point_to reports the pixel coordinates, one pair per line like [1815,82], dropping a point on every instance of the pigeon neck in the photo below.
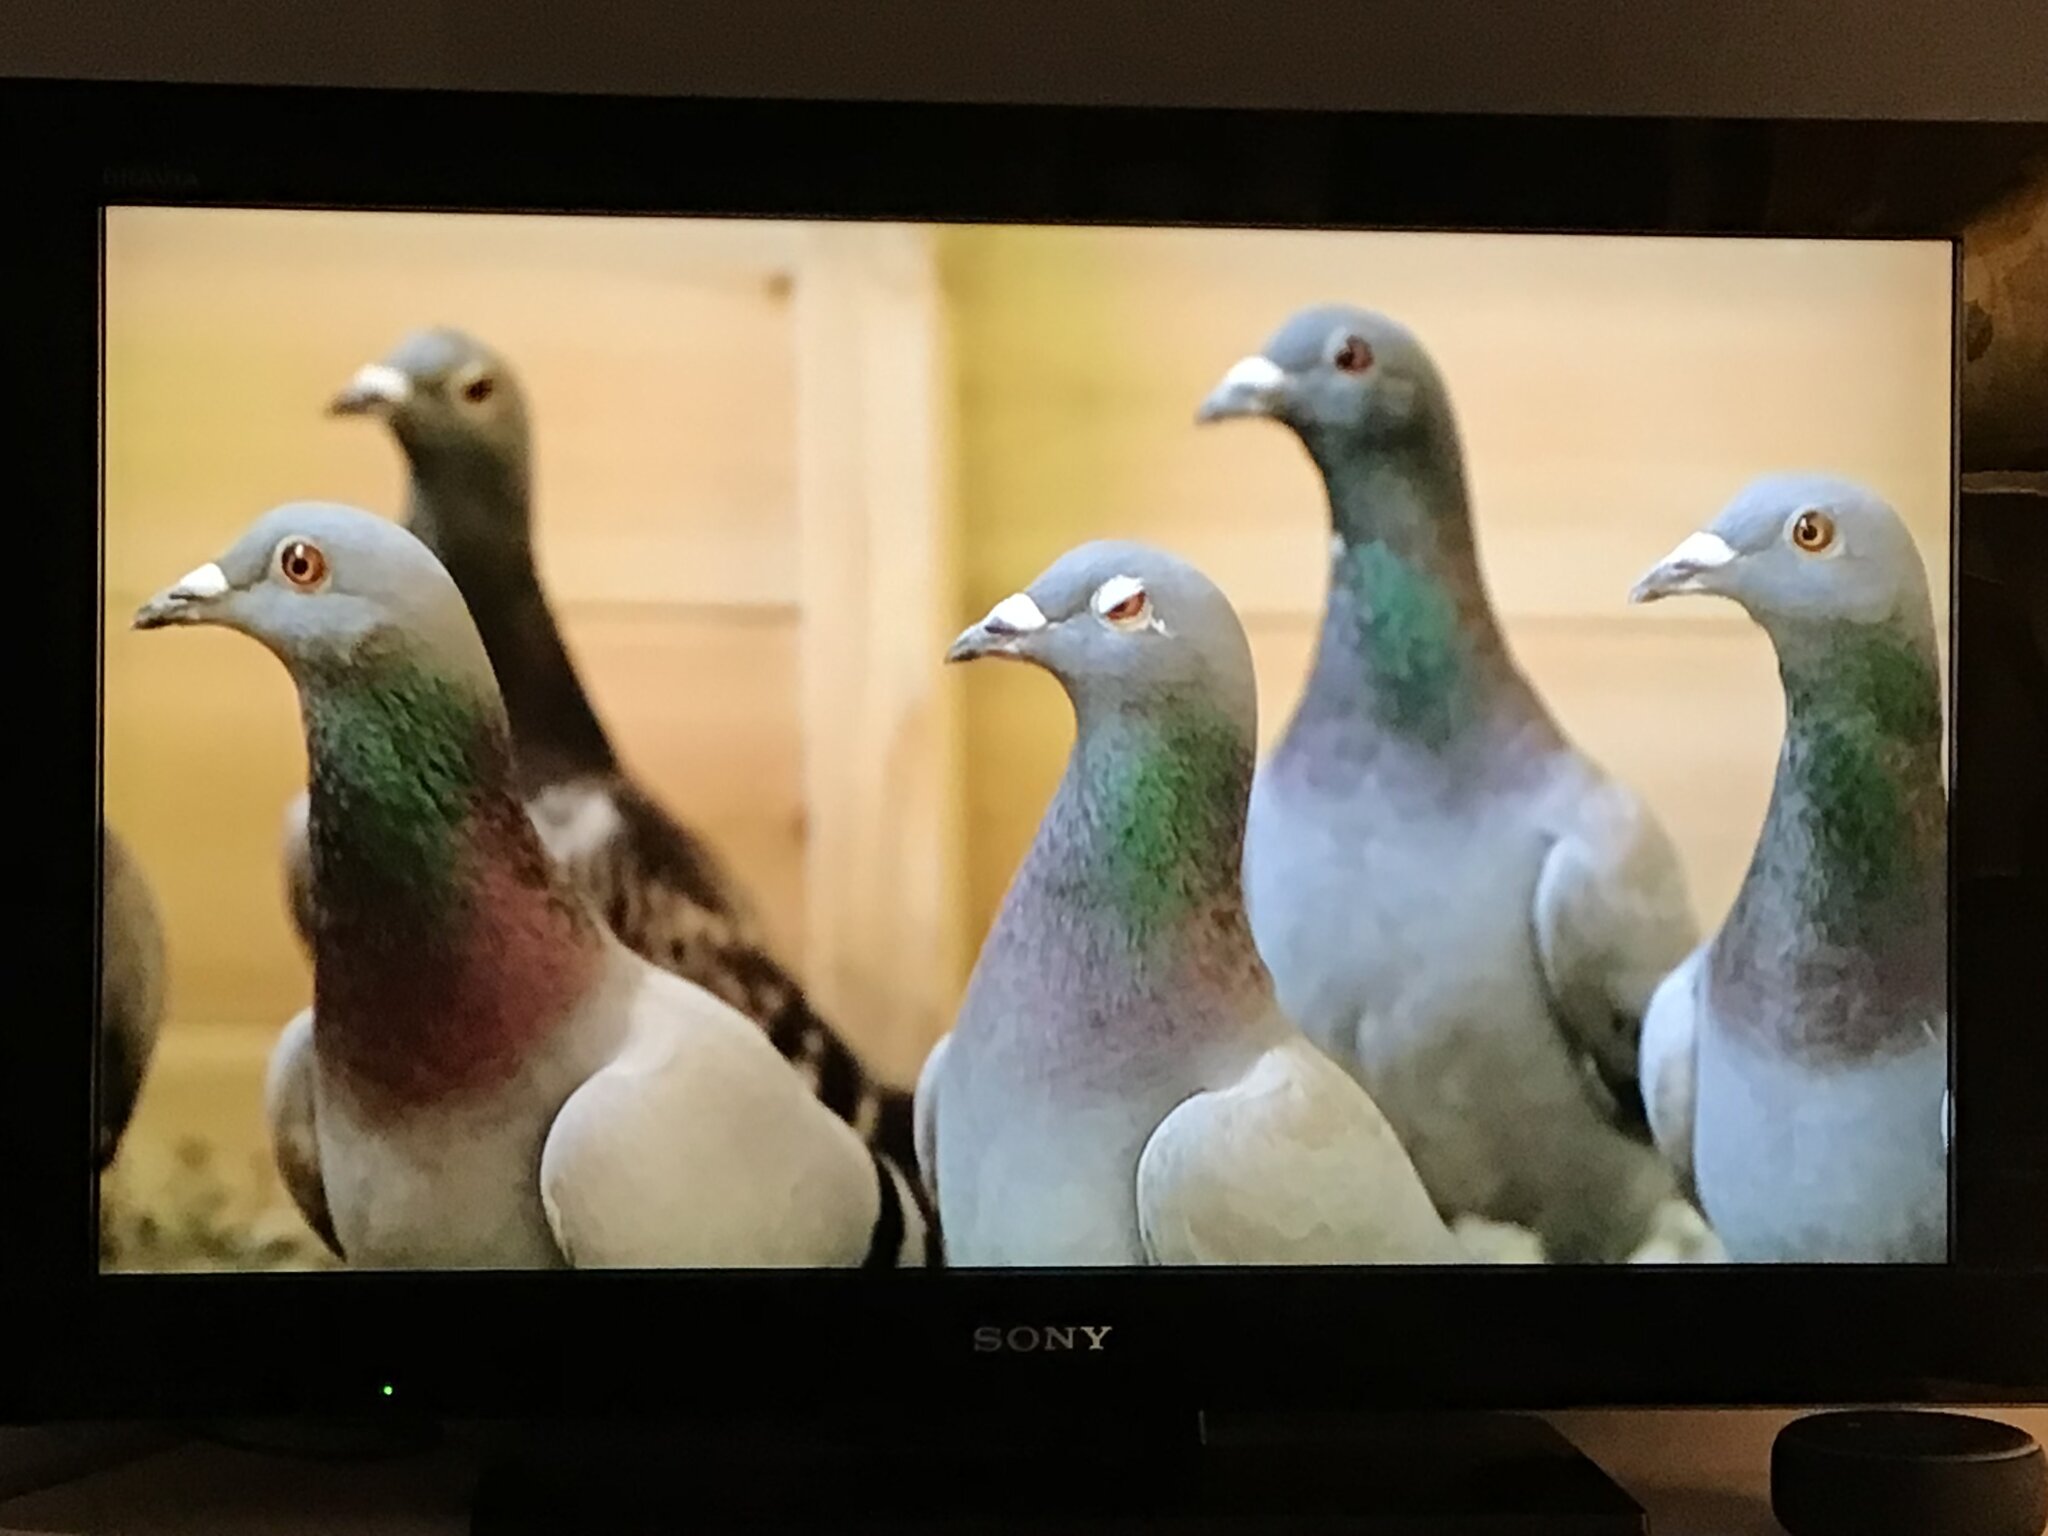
[1146,833]
[1860,772]
[1853,853]
[466,494]
[1409,647]
[1407,493]
[441,942]
[472,514]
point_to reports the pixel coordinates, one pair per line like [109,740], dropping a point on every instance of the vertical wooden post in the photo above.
[884,872]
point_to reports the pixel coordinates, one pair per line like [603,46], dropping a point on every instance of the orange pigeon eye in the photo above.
[1813,531]
[1131,608]
[1355,356]
[302,564]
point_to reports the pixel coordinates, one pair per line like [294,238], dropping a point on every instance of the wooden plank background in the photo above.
[776,466]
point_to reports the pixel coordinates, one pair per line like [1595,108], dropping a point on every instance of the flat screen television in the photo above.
[584,907]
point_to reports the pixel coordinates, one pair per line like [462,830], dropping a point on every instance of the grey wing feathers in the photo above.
[294,1141]
[1670,1044]
[660,890]
[1611,919]
[298,871]
[694,1147]
[1291,1164]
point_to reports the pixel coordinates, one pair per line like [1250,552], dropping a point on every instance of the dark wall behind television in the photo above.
[1854,58]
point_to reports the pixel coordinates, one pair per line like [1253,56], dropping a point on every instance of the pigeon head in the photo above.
[1123,627]
[1337,376]
[452,403]
[324,586]
[1800,548]
[440,387]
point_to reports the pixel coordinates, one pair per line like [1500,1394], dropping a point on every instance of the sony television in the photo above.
[850,752]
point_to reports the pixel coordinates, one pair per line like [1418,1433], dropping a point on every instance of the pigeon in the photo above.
[488,1077]
[1455,903]
[1120,1086]
[1802,1061]
[460,417]
[131,988]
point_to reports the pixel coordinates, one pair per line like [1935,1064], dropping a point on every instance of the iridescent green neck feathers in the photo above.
[1861,770]
[401,760]
[1404,625]
[1150,820]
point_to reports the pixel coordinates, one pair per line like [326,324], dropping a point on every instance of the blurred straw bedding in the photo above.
[713,401]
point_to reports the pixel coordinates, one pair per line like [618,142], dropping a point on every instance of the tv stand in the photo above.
[1058,1475]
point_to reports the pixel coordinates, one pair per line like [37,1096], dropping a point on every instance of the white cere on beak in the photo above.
[1701,551]
[1002,632]
[208,581]
[380,381]
[1680,571]
[1016,614]
[1254,375]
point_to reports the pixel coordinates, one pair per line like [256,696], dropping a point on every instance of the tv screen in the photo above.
[1473,791]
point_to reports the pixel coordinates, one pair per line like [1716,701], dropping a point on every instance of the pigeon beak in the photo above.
[188,600]
[1002,633]
[1688,568]
[1254,386]
[377,389]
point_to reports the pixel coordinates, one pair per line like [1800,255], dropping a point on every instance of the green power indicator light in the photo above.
[388,1389]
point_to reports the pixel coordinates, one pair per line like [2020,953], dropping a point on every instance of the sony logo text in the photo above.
[1025,1340]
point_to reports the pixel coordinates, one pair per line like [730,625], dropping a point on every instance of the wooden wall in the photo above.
[778,466]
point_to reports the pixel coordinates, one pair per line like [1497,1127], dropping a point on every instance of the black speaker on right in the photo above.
[1886,1473]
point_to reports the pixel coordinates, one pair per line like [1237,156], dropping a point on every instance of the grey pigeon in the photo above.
[1798,1061]
[1120,1087]
[488,1077]
[1455,903]
[459,415]
[131,987]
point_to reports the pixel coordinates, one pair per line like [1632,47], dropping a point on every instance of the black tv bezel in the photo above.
[84,1343]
